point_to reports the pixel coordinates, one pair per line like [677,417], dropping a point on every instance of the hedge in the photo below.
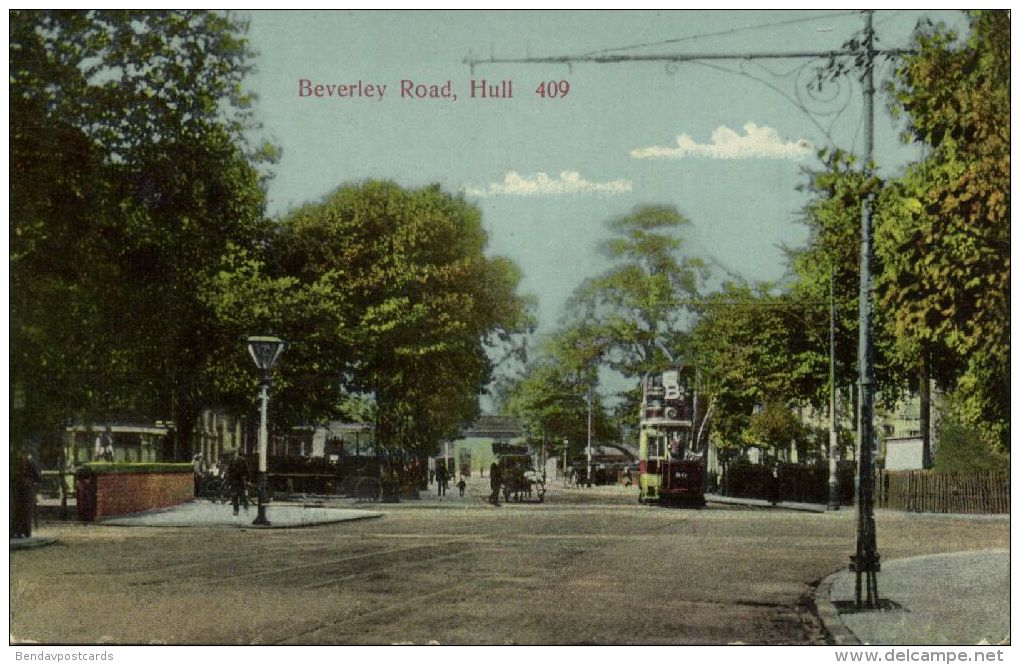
[95,468]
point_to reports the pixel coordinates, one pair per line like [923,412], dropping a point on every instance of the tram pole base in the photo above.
[261,519]
[866,566]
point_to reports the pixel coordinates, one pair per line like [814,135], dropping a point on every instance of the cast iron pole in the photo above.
[865,562]
[260,481]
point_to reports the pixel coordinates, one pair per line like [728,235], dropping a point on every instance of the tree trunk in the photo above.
[924,391]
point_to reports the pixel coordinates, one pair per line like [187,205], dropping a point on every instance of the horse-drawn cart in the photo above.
[520,480]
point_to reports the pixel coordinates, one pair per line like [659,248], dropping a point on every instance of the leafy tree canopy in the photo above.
[945,243]
[645,296]
[131,175]
[383,292]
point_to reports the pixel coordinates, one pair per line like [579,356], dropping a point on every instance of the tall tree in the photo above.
[151,115]
[382,291]
[645,296]
[754,347]
[945,245]
[551,397]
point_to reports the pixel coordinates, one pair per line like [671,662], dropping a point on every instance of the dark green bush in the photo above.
[133,467]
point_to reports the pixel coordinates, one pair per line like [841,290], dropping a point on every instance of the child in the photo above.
[461,485]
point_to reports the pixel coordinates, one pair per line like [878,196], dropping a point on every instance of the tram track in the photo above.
[365,560]
[401,606]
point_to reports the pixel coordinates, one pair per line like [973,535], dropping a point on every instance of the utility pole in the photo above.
[865,562]
[833,424]
[588,476]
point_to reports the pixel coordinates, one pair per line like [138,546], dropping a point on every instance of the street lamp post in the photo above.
[566,445]
[264,351]
[588,450]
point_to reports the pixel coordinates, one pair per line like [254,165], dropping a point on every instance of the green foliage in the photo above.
[380,291]
[946,242]
[551,398]
[135,79]
[774,426]
[130,177]
[754,347]
[645,295]
[617,320]
[963,447]
[833,253]
[98,468]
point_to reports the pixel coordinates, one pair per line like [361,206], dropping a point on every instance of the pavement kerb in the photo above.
[765,505]
[151,518]
[30,543]
[834,627]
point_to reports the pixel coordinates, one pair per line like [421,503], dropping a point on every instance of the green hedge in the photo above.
[133,467]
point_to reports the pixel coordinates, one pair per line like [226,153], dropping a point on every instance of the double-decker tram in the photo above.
[672,469]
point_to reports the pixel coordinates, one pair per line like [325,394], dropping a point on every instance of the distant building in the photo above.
[904,453]
[898,430]
[220,435]
[129,443]
[473,445]
[331,441]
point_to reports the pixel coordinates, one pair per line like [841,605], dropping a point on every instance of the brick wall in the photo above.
[122,493]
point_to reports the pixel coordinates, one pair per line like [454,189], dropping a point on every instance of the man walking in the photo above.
[26,483]
[495,483]
[441,479]
[237,481]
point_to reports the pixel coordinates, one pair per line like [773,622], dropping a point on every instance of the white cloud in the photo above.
[756,143]
[540,184]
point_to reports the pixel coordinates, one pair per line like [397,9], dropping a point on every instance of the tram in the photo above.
[671,466]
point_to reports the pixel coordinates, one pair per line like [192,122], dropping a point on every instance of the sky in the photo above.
[725,142]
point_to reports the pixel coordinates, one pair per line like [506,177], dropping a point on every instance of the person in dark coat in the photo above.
[442,480]
[199,469]
[495,483]
[25,485]
[237,482]
[461,485]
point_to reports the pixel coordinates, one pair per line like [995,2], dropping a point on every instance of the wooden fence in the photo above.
[935,492]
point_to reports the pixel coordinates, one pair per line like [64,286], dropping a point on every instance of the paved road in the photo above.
[569,571]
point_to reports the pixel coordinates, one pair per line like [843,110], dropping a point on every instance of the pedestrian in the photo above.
[495,481]
[237,482]
[62,478]
[106,454]
[25,485]
[441,479]
[199,467]
[461,484]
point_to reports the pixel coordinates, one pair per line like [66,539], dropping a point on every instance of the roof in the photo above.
[120,429]
[493,427]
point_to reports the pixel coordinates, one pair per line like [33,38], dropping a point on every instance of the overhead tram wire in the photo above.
[753,303]
[866,561]
[774,88]
[722,33]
